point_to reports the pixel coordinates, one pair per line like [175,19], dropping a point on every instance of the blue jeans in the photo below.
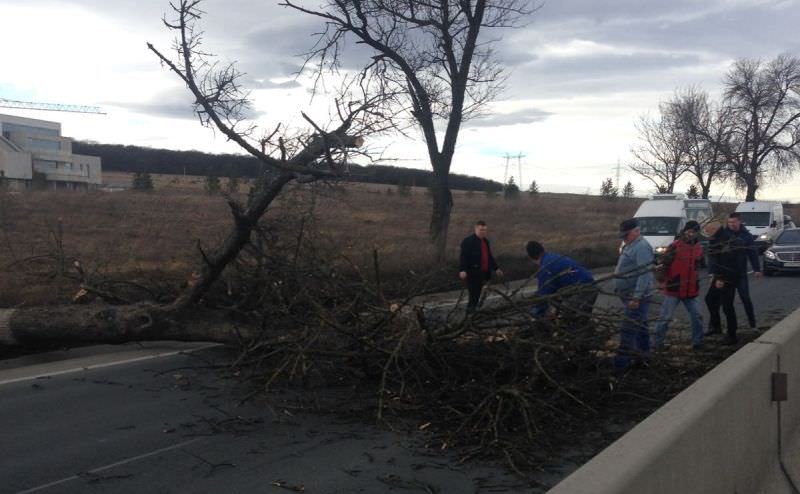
[668,308]
[634,338]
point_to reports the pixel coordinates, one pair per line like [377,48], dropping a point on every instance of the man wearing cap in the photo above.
[476,263]
[573,283]
[679,282]
[634,283]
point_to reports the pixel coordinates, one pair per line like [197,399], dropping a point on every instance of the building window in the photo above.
[8,128]
[44,144]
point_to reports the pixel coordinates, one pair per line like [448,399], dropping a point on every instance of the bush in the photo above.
[142,181]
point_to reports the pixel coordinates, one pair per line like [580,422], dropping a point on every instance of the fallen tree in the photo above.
[221,104]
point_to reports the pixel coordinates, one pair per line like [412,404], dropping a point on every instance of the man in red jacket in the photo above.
[679,282]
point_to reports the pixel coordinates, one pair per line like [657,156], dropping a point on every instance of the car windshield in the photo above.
[659,225]
[755,219]
[699,215]
[790,237]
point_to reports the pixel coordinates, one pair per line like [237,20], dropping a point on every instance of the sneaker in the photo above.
[713,331]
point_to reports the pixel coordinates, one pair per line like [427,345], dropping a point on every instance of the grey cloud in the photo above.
[524,116]
[174,103]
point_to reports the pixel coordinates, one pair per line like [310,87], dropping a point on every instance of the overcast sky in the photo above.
[581,73]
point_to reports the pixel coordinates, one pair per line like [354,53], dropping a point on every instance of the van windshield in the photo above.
[659,225]
[699,215]
[755,219]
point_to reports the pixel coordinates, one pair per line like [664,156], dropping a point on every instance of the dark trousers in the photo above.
[717,297]
[744,295]
[475,282]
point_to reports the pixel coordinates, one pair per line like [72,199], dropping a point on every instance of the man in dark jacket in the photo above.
[477,263]
[744,245]
[679,283]
[726,273]
[563,275]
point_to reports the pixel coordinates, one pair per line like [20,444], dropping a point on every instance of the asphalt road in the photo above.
[171,424]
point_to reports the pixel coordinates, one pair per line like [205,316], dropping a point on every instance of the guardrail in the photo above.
[720,435]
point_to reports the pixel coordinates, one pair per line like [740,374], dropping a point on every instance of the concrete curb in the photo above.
[720,435]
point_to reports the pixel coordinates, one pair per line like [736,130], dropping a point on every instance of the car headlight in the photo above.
[763,236]
[769,254]
[660,250]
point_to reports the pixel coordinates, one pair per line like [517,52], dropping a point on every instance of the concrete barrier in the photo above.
[720,435]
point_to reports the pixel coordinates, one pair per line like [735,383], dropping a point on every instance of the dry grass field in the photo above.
[151,238]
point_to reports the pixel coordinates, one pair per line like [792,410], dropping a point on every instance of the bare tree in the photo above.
[763,100]
[661,154]
[437,60]
[705,131]
[220,103]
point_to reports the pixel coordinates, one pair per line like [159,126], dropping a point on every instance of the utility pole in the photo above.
[505,175]
[618,167]
[519,167]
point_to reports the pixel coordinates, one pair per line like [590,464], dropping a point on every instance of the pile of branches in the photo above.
[497,383]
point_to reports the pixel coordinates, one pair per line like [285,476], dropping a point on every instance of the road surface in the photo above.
[171,423]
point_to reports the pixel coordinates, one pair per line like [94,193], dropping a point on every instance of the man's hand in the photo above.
[633,304]
[499,273]
[719,284]
[462,275]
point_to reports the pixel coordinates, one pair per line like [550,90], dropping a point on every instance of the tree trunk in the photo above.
[751,187]
[705,189]
[100,323]
[440,217]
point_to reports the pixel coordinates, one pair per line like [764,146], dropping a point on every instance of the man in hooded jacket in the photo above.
[679,283]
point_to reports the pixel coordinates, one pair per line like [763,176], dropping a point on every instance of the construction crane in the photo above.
[30,105]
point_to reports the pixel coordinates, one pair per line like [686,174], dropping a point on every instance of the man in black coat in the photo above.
[726,274]
[746,251]
[476,263]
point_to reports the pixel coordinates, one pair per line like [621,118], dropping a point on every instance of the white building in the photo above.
[34,151]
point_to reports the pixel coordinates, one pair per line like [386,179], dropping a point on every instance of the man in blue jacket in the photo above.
[634,283]
[572,282]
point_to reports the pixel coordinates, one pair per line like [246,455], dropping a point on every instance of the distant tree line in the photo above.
[138,159]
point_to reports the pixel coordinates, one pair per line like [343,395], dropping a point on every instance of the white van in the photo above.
[663,216]
[763,219]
